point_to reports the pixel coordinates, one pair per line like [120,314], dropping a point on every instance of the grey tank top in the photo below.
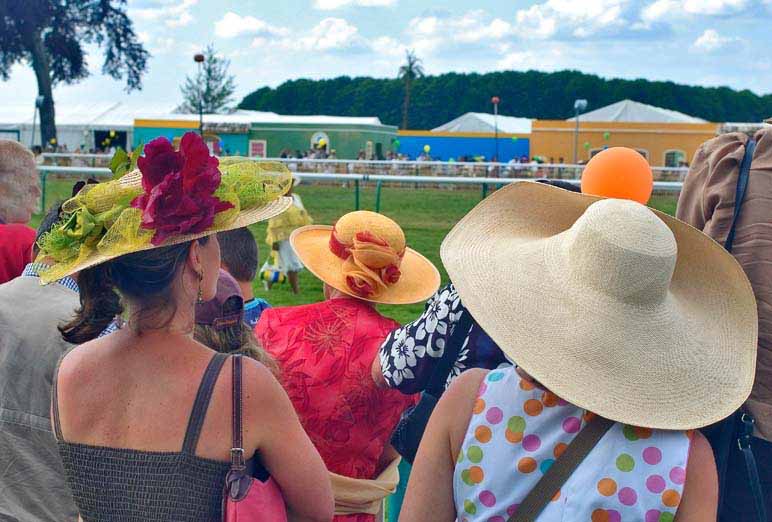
[126,485]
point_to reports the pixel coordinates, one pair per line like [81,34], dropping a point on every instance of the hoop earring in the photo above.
[200,298]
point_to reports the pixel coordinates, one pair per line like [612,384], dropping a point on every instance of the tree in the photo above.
[409,72]
[50,35]
[212,86]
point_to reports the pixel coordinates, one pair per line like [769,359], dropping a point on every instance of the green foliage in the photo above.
[435,100]
[123,162]
[212,87]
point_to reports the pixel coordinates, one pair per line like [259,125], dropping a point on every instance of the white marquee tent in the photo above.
[636,112]
[484,122]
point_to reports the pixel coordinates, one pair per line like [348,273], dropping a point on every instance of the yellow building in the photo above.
[666,138]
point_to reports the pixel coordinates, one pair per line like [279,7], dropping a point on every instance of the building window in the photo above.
[675,158]
[258,148]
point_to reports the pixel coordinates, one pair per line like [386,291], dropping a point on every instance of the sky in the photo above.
[699,42]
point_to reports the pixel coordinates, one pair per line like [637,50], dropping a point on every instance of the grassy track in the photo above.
[426,215]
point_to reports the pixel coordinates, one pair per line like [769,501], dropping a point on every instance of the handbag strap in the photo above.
[436,384]
[744,443]
[533,504]
[742,186]
[237,449]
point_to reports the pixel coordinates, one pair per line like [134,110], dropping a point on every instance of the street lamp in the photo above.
[199,59]
[579,106]
[495,101]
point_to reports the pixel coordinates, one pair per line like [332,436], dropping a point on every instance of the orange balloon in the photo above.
[620,173]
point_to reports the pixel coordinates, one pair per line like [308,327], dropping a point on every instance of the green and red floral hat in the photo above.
[172,197]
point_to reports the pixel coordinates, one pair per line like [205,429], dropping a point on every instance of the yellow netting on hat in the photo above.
[100,219]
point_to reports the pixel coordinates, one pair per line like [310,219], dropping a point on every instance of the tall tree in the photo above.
[50,35]
[409,72]
[212,86]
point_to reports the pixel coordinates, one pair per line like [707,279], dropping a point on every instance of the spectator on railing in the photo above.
[19,193]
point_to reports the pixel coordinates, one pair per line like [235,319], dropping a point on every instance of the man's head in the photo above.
[19,183]
[238,251]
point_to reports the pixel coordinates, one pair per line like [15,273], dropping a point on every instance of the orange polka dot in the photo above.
[600,515]
[476,474]
[533,407]
[479,406]
[607,487]
[483,434]
[588,416]
[559,449]
[549,399]
[526,465]
[642,433]
[556,496]
[513,436]
[525,385]
[671,498]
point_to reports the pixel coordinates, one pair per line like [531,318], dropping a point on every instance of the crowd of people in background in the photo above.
[143,380]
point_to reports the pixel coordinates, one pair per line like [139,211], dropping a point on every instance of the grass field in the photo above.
[426,215]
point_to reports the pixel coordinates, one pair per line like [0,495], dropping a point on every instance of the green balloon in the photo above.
[606,135]
[396,143]
[587,145]
[514,138]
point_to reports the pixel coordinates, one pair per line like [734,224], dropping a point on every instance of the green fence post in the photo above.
[378,196]
[484,190]
[356,194]
[43,176]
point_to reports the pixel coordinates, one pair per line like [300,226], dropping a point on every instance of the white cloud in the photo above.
[661,10]
[710,41]
[329,5]
[428,33]
[232,25]
[171,14]
[157,44]
[580,19]
[331,34]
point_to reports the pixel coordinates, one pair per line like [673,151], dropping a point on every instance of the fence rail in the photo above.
[484,182]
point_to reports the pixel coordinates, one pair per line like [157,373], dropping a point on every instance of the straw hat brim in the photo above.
[244,218]
[420,279]
[683,364]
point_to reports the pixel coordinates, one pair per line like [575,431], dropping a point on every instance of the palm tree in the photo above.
[407,73]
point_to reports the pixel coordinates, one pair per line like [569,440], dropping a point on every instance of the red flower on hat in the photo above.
[179,188]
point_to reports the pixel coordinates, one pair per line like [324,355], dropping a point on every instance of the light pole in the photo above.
[579,106]
[495,101]
[199,59]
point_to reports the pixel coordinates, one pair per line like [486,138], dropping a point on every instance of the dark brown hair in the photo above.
[144,278]
[238,250]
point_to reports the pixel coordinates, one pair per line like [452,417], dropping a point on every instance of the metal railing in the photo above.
[484,182]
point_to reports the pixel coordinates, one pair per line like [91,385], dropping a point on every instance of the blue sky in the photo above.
[703,42]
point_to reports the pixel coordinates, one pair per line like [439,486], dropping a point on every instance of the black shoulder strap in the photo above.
[533,504]
[198,413]
[237,448]
[459,336]
[742,186]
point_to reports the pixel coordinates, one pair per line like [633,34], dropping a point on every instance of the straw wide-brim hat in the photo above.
[420,279]
[618,309]
[244,218]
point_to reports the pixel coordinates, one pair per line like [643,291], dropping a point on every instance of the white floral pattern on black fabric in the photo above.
[409,354]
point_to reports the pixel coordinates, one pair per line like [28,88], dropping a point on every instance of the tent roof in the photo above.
[115,114]
[484,122]
[633,111]
[260,117]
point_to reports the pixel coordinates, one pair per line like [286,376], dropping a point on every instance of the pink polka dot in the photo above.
[627,496]
[562,402]
[614,515]
[531,442]
[655,484]
[497,519]
[494,415]
[652,515]
[652,455]
[678,475]
[483,389]
[512,509]
[571,424]
[487,498]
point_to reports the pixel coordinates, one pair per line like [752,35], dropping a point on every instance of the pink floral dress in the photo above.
[517,431]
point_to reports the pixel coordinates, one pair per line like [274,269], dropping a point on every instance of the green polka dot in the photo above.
[495,376]
[469,507]
[629,432]
[516,424]
[474,453]
[666,517]
[625,462]
[465,478]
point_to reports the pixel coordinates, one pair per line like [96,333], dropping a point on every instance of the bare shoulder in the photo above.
[464,386]
[455,407]
[701,462]
[262,392]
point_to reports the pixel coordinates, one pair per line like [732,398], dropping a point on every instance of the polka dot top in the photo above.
[517,431]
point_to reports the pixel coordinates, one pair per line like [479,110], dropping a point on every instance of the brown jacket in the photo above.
[707,202]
